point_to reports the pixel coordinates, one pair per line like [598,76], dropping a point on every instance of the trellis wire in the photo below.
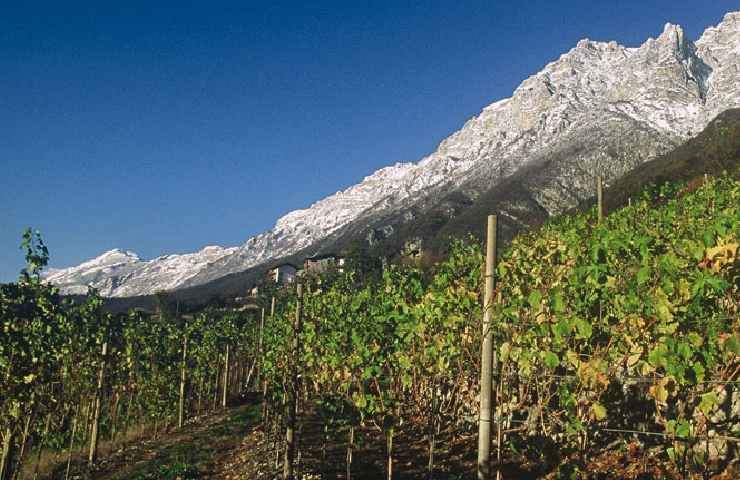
[636,432]
[631,378]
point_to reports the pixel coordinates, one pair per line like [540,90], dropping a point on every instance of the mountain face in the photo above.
[600,109]
[119,273]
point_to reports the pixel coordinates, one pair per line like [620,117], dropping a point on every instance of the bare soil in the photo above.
[232,444]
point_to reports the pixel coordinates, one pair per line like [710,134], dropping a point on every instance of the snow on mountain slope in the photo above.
[111,264]
[115,273]
[601,94]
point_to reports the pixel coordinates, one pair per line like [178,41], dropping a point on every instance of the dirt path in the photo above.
[193,452]
[231,445]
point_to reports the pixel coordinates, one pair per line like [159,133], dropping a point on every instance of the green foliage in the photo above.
[176,471]
[36,254]
[651,293]
[582,310]
[51,355]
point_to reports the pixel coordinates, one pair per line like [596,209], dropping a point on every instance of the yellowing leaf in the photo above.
[633,359]
[659,392]
[708,401]
[598,411]
[573,358]
[663,310]
[721,255]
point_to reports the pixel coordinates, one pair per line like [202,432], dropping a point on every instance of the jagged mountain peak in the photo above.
[731,17]
[600,106]
[673,31]
[726,33]
[114,256]
[674,39]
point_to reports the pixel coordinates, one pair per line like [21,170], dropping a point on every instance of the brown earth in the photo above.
[232,444]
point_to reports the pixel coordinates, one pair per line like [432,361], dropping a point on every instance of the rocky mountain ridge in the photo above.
[601,108]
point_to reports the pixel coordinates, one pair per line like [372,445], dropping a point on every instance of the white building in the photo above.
[321,263]
[283,274]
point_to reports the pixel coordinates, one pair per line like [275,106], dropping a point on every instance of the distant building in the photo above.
[321,263]
[283,274]
[384,262]
[412,248]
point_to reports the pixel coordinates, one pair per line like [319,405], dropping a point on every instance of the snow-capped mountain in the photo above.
[117,273]
[601,108]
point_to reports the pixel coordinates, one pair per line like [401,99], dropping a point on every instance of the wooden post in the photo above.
[264,381]
[24,440]
[258,355]
[42,442]
[93,454]
[486,373]
[292,403]
[600,197]
[5,462]
[183,371]
[215,385]
[114,409]
[350,447]
[389,453]
[498,392]
[259,346]
[129,407]
[72,439]
[226,377]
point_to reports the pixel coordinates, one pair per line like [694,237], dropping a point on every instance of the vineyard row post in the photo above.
[93,454]
[183,379]
[264,380]
[259,346]
[254,369]
[226,378]
[7,453]
[487,348]
[290,440]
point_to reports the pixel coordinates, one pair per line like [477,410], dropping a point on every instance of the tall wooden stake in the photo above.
[183,372]
[42,443]
[72,439]
[486,373]
[226,378]
[292,403]
[257,356]
[350,447]
[24,440]
[93,455]
[600,197]
[5,462]
[259,347]
[7,439]
[264,381]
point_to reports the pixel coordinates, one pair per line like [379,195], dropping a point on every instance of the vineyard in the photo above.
[614,335]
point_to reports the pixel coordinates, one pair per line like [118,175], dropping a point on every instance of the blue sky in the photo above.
[162,127]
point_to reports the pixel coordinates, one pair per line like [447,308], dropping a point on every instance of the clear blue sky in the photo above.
[163,127]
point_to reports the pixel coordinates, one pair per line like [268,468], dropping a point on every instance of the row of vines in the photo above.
[601,329]
[73,375]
